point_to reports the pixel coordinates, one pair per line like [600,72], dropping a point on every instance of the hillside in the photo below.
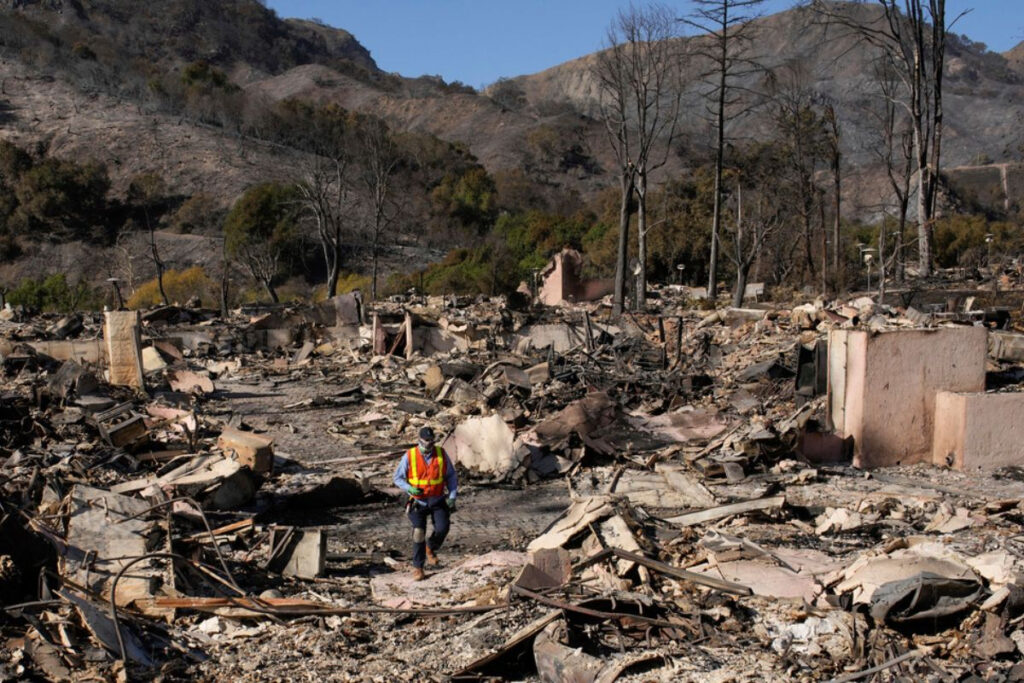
[223,32]
[278,59]
[1015,58]
[201,93]
[984,107]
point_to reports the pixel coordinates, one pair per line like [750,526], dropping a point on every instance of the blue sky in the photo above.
[478,41]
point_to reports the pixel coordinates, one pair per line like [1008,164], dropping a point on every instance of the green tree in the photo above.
[469,198]
[260,229]
[62,199]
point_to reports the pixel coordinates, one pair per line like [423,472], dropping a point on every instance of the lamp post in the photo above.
[988,246]
[867,255]
[680,267]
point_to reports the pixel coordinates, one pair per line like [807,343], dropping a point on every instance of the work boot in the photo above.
[431,557]
[418,574]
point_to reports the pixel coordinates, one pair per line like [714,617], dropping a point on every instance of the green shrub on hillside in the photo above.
[960,241]
[54,294]
[180,287]
[201,73]
[469,198]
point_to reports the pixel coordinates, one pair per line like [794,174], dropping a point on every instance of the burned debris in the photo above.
[829,490]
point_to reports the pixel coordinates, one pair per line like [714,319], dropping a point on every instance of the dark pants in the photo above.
[418,515]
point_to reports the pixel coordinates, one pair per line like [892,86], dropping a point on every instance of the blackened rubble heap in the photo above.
[709,526]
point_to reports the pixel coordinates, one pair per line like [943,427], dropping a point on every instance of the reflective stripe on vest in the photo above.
[429,477]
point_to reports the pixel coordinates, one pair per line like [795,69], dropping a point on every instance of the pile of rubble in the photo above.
[667,495]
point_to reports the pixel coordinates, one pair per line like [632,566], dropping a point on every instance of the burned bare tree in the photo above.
[324,196]
[649,68]
[833,137]
[912,34]
[612,77]
[727,49]
[804,143]
[379,158]
[757,211]
[893,147]
[145,191]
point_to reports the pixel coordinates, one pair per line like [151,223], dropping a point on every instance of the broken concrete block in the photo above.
[561,337]
[539,374]
[71,378]
[221,482]
[190,382]
[250,450]
[1007,346]
[457,584]
[168,349]
[231,492]
[433,379]
[87,351]
[92,403]
[124,355]
[978,431]
[483,444]
[882,387]
[65,327]
[686,424]
[430,340]
[298,552]
[152,361]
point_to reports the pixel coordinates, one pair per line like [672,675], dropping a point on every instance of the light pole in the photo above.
[680,267]
[988,245]
[868,257]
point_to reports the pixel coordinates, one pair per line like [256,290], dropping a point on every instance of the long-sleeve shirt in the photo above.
[451,480]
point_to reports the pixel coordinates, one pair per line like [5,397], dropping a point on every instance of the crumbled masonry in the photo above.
[786,491]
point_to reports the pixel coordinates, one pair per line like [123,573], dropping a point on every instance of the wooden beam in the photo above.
[667,569]
[722,511]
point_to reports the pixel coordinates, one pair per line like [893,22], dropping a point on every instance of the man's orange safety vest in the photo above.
[430,477]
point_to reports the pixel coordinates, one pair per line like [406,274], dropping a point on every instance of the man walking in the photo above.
[424,473]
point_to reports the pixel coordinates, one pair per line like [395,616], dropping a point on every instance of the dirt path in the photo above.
[488,518]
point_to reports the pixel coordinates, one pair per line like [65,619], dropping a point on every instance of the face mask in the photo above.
[426,447]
